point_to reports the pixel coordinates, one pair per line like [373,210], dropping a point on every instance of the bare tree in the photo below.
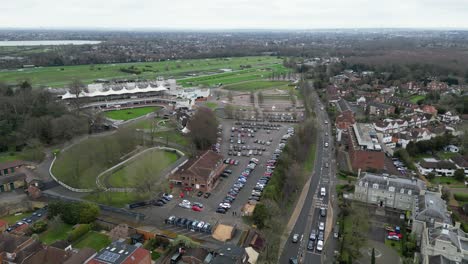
[76,88]
[252,97]
[229,111]
[260,98]
[203,128]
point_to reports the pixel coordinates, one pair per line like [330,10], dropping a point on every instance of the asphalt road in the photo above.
[309,217]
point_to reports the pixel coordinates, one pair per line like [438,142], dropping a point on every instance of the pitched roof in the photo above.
[398,182]
[204,165]
[443,164]
[81,256]
[461,161]
[12,178]
[11,164]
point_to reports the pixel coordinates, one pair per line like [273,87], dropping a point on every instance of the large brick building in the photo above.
[200,173]
[10,176]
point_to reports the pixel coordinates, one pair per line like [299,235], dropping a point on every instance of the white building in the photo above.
[438,167]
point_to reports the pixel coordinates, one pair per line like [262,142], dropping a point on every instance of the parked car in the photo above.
[320,245]
[310,245]
[200,193]
[207,194]
[321,226]
[295,238]
[323,212]
[221,210]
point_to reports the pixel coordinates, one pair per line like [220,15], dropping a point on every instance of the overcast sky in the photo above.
[234,14]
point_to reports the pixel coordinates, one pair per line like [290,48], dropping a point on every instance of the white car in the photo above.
[321,226]
[326,144]
[320,245]
[295,238]
[225,205]
[184,205]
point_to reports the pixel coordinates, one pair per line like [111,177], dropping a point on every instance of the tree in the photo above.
[230,96]
[88,212]
[459,175]
[373,256]
[229,111]
[38,227]
[203,128]
[252,97]
[260,215]
[260,98]
[76,87]
[184,241]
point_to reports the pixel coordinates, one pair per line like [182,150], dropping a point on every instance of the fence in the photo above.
[63,184]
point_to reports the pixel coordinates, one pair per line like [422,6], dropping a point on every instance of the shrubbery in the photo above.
[78,232]
[38,227]
[74,212]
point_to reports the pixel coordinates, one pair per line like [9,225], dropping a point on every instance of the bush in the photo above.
[78,232]
[38,227]
[461,197]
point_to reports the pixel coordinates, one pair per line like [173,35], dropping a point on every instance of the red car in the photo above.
[196,208]
[232,162]
[268,174]
[400,236]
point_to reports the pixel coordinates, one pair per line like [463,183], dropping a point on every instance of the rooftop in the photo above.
[115,253]
[204,165]
[366,135]
[384,182]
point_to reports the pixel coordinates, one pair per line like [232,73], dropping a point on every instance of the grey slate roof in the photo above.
[432,208]
[385,182]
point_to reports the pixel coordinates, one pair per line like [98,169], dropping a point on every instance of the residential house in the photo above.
[345,119]
[231,254]
[121,253]
[399,102]
[448,117]
[10,176]
[461,162]
[17,248]
[437,86]
[200,173]
[3,226]
[428,210]
[364,149]
[438,167]
[332,94]
[388,191]
[194,255]
[379,109]
[444,242]
[428,109]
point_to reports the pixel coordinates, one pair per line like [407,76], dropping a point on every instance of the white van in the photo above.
[323,192]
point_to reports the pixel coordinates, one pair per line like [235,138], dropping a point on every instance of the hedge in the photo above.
[78,232]
[462,197]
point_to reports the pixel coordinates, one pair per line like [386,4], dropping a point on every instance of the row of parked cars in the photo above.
[231,196]
[192,225]
[195,206]
[256,126]
[36,215]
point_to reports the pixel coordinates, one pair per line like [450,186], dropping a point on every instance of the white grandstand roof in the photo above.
[96,93]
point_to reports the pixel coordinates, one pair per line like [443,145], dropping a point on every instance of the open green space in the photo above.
[216,79]
[173,136]
[395,245]
[79,165]
[446,155]
[126,114]
[445,180]
[415,98]
[116,199]
[256,85]
[11,219]
[61,75]
[156,161]
[58,232]
[211,105]
[94,240]
[4,157]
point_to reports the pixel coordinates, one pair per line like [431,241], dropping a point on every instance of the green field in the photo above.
[415,98]
[58,233]
[255,73]
[4,157]
[79,165]
[127,114]
[11,219]
[211,105]
[256,85]
[94,240]
[62,75]
[173,136]
[156,161]
[116,199]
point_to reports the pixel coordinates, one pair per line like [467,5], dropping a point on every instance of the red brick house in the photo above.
[345,120]
[200,173]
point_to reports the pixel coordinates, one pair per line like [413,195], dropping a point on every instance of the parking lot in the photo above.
[157,215]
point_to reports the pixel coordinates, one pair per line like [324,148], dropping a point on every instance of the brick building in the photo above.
[10,176]
[200,173]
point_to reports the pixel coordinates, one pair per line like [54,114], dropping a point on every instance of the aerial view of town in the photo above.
[140,132]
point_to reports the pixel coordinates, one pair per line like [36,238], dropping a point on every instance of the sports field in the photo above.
[127,114]
[257,85]
[62,75]
[155,161]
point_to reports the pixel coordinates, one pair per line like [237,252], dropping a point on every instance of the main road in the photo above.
[323,175]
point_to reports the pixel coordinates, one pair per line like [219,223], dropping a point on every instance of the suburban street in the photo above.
[309,217]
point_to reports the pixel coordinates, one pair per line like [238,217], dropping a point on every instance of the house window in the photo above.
[366,184]
[402,190]
[409,192]
[391,189]
[360,183]
[375,186]
[5,171]
[183,178]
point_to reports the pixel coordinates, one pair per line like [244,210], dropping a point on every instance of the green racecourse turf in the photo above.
[127,114]
[156,161]
[59,76]
[256,85]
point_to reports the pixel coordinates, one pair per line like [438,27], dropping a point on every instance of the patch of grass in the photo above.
[94,240]
[396,245]
[461,197]
[211,105]
[11,156]
[155,255]
[446,155]
[156,161]
[415,98]
[256,85]
[277,97]
[116,199]
[445,180]
[127,114]
[61,75]
[173,136]
[309,164]
[57,233]
[11,219]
